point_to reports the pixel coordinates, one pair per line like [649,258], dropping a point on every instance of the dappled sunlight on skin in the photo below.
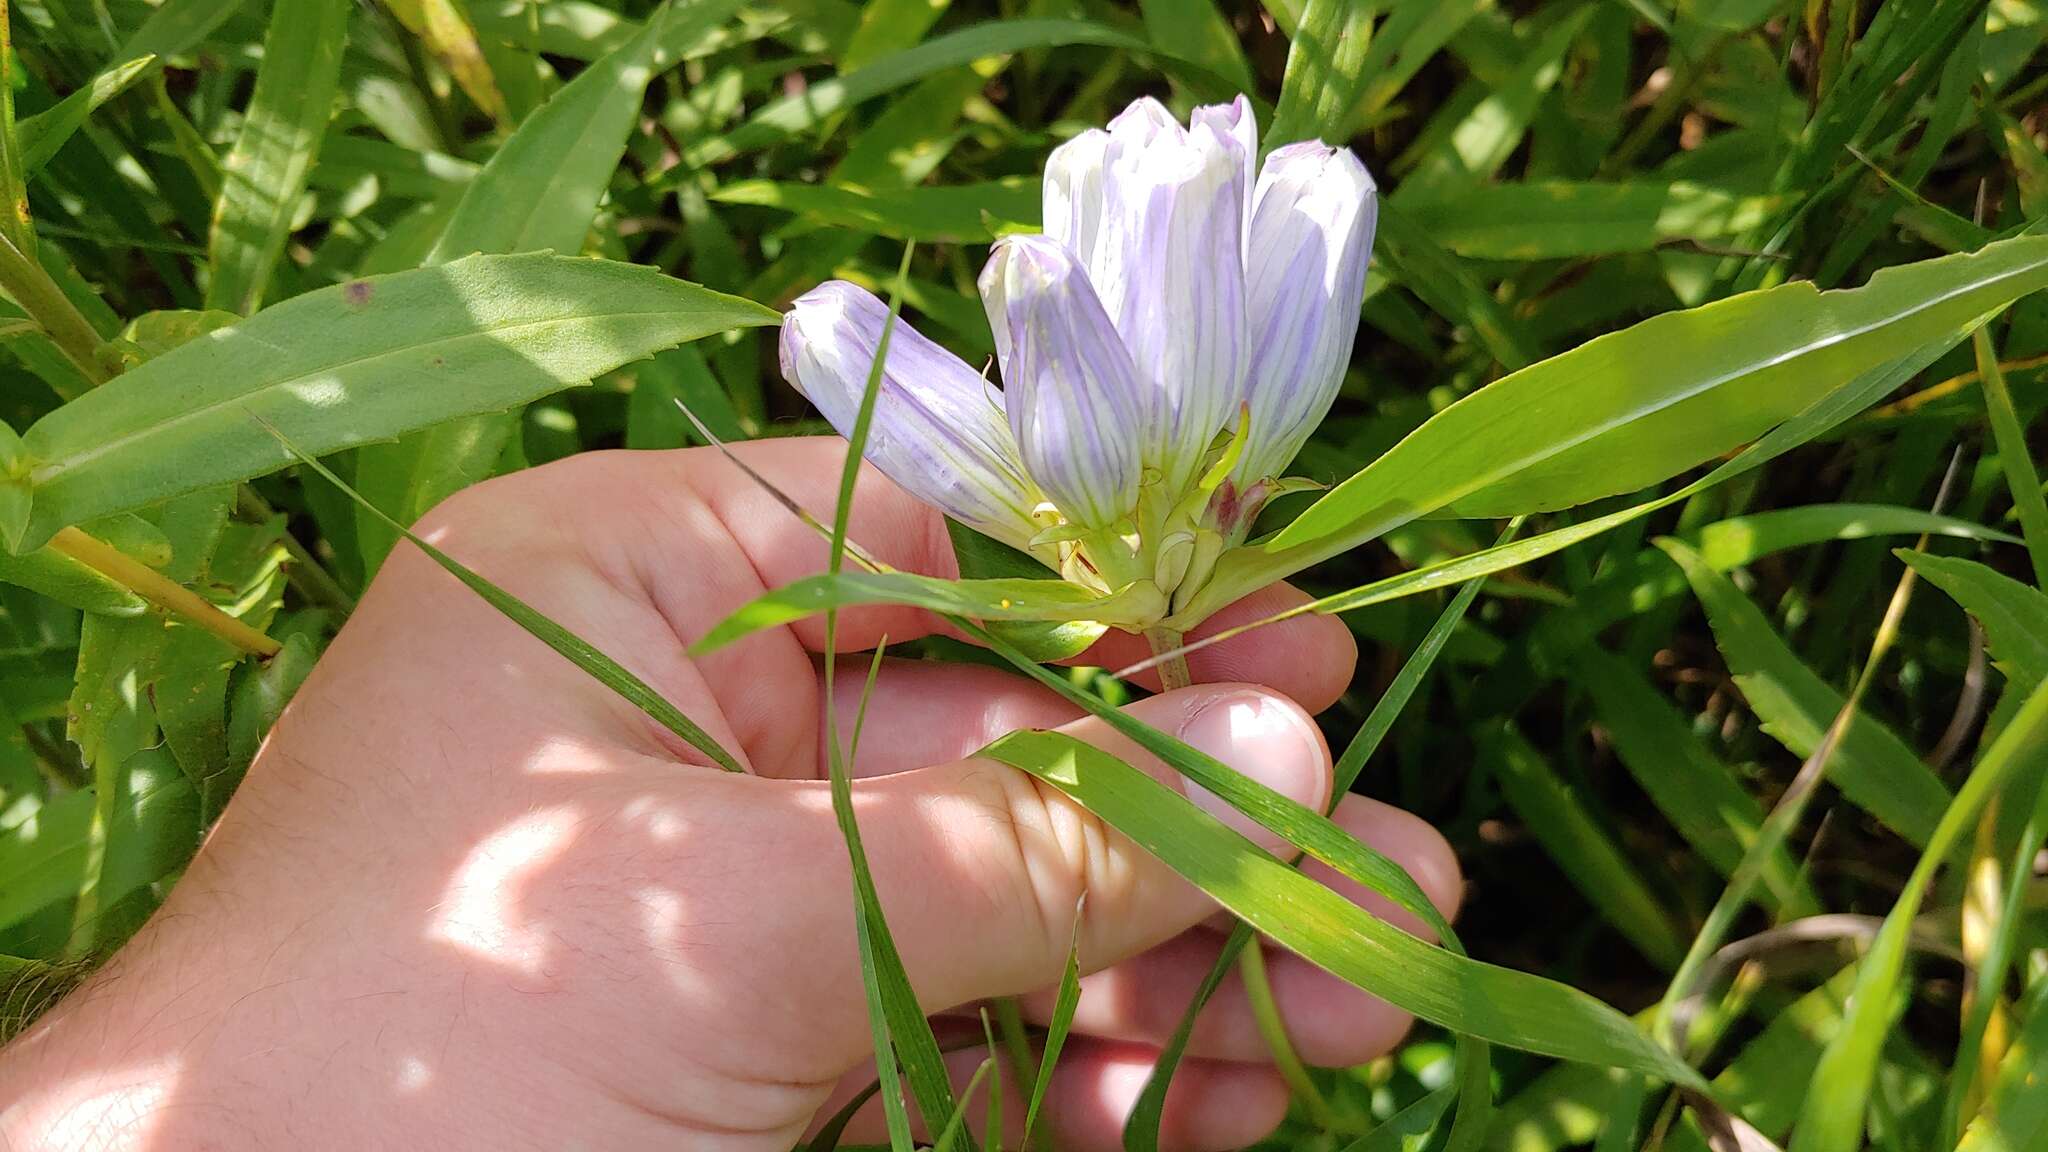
[121,1100]
[478,913]
[414,1075]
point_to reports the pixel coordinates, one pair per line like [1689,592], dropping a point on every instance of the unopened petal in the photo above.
[1073,192]
[1169,266]
[1237,121]
[1072,394]
[1311,237]
[938,427]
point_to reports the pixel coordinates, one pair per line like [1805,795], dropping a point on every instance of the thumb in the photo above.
[980,866]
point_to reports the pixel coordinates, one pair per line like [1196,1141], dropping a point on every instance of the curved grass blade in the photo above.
[1832,1119]
[580,652]
[1393,1133]
[2014,455]
[1627,410]
[265,172]
[1064,1002]
[901,1030]
[1247,569]
[1436,984]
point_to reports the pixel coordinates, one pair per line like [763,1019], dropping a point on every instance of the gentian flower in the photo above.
[1167,345]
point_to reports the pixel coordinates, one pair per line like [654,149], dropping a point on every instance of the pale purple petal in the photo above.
[1237,121]
[1072,393]
[1073,193]
[1169,268]
[1311,236]
[938,428]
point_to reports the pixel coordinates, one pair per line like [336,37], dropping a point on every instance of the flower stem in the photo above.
[1173,672]
[32,288]
[154,587]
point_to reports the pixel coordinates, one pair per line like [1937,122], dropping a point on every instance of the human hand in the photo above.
[467,897]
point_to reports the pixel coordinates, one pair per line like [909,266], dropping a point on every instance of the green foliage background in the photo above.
[1708,754]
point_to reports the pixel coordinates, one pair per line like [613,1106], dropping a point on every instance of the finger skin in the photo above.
[993,862]
[921,712]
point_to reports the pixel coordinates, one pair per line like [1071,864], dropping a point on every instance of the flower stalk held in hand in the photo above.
[1167,346]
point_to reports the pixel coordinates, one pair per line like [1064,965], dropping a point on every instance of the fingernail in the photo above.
[1267,740]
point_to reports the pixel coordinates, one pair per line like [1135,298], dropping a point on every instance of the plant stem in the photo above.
[159,590]
[1251,965]
[1173,672]
[25,280]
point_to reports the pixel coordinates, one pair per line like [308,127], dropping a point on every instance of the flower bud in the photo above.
[1168,263]
[1311,237]
[1071,391]
[938,428]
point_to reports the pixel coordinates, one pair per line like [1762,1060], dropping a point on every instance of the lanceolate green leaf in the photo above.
[1872,767]
[1325,71]
[1627,410]
[2014,616]
[538,192]
[1498,1004]
[541,188]
[1545,220]
[353,363]
[265,173]
[1248,569]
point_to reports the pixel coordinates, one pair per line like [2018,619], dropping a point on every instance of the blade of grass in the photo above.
[1990,974]
[992,1120]
[1786,814]
[905,1033]
[2014,456]
[1141,1131]
[1392,1134]
[956,1128]
[1251,965]
[1832,1119]
[1315,922]
[1064,1002]
[265,172]
[580,652]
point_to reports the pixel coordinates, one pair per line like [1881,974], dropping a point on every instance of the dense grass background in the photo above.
[1604,731]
